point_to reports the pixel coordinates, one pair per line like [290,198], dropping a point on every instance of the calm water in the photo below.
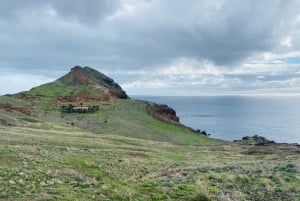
[232,117]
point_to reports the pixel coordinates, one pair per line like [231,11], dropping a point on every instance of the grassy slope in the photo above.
[129,118]
[56,88]
[132,157]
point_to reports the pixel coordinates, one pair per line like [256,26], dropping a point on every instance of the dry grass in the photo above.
[68,163]
[136,157]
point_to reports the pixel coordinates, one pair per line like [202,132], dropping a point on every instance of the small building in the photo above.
[81,108]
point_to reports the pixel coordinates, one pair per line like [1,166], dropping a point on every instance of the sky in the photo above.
[154,47]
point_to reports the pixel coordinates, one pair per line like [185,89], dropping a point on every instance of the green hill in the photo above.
[127,150]
[117,114]
[81,84]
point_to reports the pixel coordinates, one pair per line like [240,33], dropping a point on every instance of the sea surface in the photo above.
[233,117]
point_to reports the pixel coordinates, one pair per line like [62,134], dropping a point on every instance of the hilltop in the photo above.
[128,150]
[80,84]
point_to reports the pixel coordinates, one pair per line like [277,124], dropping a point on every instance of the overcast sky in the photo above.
[154,47]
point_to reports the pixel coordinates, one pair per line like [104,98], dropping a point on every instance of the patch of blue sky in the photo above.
[293,60]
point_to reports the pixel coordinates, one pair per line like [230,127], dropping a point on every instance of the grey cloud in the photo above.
[85,11]
[133,34]
[224,32]
[225,35]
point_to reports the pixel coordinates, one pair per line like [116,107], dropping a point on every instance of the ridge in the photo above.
[81,84]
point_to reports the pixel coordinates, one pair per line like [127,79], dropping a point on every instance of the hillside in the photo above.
[127,150]
[117,113]
[81,84]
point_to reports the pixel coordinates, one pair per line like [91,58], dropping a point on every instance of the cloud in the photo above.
[204,45]
[146,84]
[84,11]
[15,83]
[193,77]
[132,34]
[87,11]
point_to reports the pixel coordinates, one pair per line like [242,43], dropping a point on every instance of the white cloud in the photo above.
[202,75]
[145,84]
[260,77]
[277,84]
[125,10]
[15,83]
[287,42]
[190,68]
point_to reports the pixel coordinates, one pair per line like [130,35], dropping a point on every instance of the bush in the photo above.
[201,192]
[201,197]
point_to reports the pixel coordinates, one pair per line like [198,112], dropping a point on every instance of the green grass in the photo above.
[12,101]
[133,156]
[56,88]
[67,163]
[129,118]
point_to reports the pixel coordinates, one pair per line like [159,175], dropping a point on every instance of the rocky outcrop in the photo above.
[255,139]
[163,112]
[259,145]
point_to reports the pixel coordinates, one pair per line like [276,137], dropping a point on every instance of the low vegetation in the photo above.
[128,150]
[122,153]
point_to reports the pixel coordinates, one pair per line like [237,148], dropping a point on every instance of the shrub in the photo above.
[201,192]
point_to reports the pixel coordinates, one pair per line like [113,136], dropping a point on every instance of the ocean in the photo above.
[233,117]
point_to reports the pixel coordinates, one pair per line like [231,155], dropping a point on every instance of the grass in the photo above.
[133,156]
[56,88]
[13,101]
[68,163]
[129,118]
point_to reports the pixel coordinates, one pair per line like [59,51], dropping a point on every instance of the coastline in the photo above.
[274,117]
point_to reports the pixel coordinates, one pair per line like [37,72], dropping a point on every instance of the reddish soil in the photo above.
[106,95]
[163,112]
[77,99]
[9,108]
[77,75]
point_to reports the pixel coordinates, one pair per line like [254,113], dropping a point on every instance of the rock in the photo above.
[246,138]
[202,132]
[205,133]
[255,139]
[163,112]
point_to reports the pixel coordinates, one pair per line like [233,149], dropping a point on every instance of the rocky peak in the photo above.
[81,84]
[77,76]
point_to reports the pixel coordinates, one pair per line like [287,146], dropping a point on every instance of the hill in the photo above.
[116,113]
[127,150]
[81,84]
